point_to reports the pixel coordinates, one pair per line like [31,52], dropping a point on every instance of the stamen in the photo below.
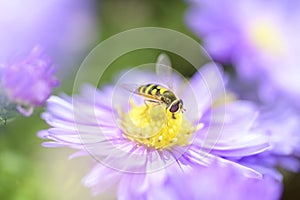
[154,127]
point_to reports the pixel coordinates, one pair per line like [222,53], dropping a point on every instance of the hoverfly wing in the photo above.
[130,87]
[163,60]
[164,70]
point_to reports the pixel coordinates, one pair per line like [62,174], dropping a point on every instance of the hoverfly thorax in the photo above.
[168,97]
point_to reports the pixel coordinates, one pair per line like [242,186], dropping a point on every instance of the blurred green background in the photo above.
[29,171]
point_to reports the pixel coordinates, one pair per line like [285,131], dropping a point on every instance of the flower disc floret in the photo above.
[154,127]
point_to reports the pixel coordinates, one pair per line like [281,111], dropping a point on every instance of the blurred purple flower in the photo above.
[140,155]
[282,124]
[66,28]
[29,82]
[224,182]
[259,38]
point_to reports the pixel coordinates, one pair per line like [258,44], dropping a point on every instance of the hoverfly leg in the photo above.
[173,116]
[147,102]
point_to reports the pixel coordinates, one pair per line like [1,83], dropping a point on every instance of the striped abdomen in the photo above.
[153,90]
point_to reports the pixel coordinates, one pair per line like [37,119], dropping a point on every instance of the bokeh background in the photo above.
[69,29]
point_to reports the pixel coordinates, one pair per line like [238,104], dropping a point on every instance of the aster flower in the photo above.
[224,183]
[65,28]
[28,82]
[259,38]
[282,124]
[139,147]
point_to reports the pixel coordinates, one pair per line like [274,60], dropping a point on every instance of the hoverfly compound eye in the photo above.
[175,107]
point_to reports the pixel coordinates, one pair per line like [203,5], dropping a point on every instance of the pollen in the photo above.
[155,127]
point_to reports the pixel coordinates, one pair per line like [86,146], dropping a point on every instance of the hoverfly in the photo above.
[156,93]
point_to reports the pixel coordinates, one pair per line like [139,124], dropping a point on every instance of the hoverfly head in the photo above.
[176,106]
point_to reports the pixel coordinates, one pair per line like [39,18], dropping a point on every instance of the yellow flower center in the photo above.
[155,127]
[267,37]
